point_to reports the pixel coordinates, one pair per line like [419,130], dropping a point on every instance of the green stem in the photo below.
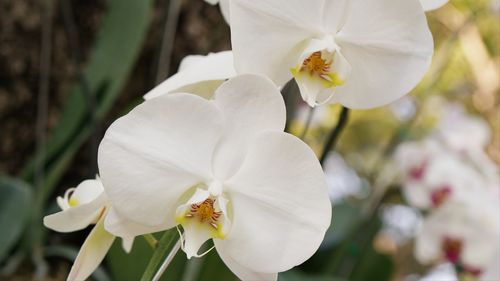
[151,240]
[334,135]
[163,248]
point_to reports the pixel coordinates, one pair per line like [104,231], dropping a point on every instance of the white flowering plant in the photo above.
[295,140]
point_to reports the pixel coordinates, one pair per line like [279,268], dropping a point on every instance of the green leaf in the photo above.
[15,207]
[70,253]
[345,218]
[112,59]
[373,266]
[113,56]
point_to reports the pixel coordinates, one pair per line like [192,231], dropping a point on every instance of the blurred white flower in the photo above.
[404,108]
[224,7]
[468,136]
[400,222]
[412,157]
[223,169]
[442,272]
[82,206]
[492,271]
[199,75]
[360,53]
[430,5]
[464,232]
[342,180]
[461,131]
[432,174]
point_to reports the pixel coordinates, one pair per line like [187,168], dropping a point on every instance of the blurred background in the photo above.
[68,69]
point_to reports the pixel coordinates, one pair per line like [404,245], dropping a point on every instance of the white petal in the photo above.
[194,236]
[428,242]
[242,272]
[154,154]
[127,244]
[199,75]
[280,205]
[389,46]
[224,8]
[87,191]
[92,253]
[430,5]
[251,104]
[492,271]
[212,2]
[76,218]
[417,194]
[269,36]
[122,227]
[335,14]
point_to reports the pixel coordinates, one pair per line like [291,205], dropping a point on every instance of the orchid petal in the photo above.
[389,46]
[417,194]
[428,243]
[199,75]
[125,228]
[87,191]
[492,271]
[168,140]
[92,253]
[242,272]
[224,8]
[127,244]
[280,205]
[76,218]
[335,14]
[251,104]
[273,39]
[194,236]
[430,5]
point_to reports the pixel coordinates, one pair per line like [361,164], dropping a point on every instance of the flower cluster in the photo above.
[206,152]
[449,176]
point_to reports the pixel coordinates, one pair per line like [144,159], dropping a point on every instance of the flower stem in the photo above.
[334,135]
[167,261]
[151,240]
[164,249]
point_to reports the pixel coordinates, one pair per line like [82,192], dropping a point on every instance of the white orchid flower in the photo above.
[442,178]
[464,232]
[430,5]
[223,5]
[199,75]
[461,131]
[492,271]
[223,169]
[412,157]
[82,206]
[468,136]
[360,53]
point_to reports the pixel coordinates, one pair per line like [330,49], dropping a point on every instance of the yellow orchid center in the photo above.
[318,66]
[73,202]
[205,212]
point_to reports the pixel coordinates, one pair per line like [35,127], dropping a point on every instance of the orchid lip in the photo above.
[203,217]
